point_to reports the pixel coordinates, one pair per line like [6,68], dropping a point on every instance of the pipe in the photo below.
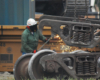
[32,9]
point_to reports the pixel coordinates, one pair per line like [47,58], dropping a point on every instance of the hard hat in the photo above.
[31,22]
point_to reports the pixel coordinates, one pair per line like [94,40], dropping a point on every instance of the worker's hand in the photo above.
[45,40]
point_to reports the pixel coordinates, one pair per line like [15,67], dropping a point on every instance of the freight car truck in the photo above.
[77,64]
[10,35]
[10,45]
[77,31]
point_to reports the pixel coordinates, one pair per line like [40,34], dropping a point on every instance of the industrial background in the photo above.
[13,17]
[16,12]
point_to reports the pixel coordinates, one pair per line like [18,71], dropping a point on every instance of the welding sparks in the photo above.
[57,37]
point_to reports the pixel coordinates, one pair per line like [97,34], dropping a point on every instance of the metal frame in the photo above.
[69,19]
[88,63]
[55,29]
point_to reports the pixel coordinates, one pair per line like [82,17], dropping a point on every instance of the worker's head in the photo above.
[32,24]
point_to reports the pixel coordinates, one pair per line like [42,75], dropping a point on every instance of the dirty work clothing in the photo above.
[30,41]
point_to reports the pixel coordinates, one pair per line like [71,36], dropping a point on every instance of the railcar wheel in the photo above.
[35,69]
[21,67]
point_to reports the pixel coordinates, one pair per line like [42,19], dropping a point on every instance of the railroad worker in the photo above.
[30,37]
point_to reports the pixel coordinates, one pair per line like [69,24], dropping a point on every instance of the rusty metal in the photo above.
[39,67]
[62,18]
[85,31]
[78,32]
[86,8]
[83,64]
[21,67]
[52,66]
[35,69]
[74,8]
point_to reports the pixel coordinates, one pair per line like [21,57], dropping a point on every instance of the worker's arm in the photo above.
[41,37]
[24,43]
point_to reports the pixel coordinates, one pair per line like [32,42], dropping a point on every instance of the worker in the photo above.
[30,37]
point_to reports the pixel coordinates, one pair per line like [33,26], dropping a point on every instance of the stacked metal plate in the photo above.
[77,7]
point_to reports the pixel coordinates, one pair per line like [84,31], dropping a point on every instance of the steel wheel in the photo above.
[35,69]
[21,67]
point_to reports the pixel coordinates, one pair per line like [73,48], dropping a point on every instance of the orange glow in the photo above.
[56,37]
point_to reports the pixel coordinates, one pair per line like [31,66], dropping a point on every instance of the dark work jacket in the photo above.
[30,41]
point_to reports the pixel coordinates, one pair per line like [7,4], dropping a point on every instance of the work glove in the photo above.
[34,51]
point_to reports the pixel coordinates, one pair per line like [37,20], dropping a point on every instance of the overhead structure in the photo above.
[69,8]
[32,9]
